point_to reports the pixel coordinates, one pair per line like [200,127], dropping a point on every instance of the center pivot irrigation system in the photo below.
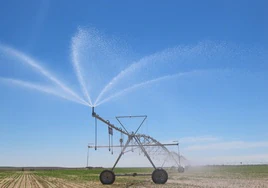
[138,141]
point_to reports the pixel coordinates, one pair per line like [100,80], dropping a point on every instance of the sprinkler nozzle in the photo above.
[93,112]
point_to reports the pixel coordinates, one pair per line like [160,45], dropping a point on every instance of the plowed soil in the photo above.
[29,179]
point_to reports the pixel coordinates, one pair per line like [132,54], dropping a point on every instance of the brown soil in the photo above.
[30,180]
[186,180]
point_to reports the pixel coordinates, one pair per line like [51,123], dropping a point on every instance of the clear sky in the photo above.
[198,69]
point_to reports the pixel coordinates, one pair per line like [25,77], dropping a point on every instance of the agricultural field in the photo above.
[196,177]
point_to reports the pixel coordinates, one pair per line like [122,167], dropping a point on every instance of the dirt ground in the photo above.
[186,180]
[31,180]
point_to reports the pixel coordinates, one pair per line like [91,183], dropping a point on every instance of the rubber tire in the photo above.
[180,169]
[159,176]
[107,177]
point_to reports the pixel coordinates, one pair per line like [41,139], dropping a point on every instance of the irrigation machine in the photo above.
[138,141]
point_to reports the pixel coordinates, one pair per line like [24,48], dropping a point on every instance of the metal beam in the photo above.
[135,145]
[108,123]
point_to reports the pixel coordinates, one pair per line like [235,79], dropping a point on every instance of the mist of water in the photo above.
[136,86]
[100,58]
[34,64]
[167,62]
[76,45]
[160,56]
[97,64]
[43,89]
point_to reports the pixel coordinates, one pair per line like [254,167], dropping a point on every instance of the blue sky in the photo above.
[198,69]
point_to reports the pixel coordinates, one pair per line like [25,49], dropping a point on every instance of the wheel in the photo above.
[107,177]
[180,169]
[159,176]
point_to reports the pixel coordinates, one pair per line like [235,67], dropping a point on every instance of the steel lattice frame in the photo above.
[147,144]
